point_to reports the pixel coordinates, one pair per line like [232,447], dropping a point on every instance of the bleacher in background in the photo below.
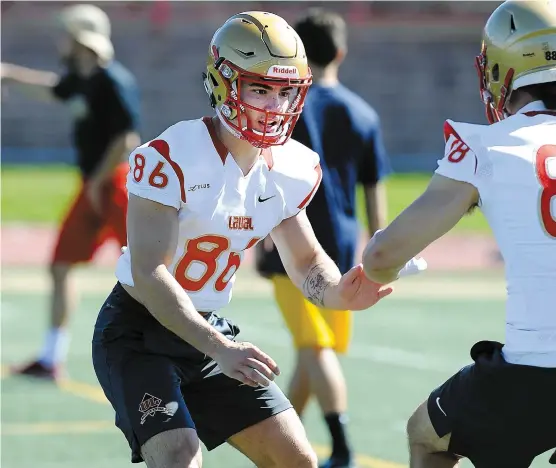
[413,61]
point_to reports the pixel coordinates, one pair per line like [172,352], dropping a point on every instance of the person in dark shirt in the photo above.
[104,100]
[345,131]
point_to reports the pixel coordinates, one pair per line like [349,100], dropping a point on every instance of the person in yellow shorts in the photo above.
[345,131]
[311,326]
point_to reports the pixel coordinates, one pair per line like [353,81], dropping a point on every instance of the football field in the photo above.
[401,349]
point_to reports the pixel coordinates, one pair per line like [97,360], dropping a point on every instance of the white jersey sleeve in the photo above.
[460,160]
[155,176]
[305,175]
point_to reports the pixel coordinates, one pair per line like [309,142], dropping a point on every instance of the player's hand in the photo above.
[357,292]
[94,194]
[5,70]
[247,363]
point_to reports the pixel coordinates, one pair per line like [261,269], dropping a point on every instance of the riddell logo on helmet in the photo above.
[283,71]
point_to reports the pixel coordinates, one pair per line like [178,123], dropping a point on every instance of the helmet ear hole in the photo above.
[496,73]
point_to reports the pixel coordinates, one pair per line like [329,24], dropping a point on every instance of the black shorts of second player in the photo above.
[157,382]
[499,414]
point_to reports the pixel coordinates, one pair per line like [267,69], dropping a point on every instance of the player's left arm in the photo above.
[316,275]
[376,206]
[435,212]
[121,109]
[122,144]
[373,168]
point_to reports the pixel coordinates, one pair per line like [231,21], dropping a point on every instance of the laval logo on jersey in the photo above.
[240,223]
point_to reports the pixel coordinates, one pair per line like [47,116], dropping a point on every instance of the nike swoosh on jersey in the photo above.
[262,200]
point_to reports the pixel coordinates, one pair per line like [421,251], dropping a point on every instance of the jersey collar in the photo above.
[222,151]
[534,106]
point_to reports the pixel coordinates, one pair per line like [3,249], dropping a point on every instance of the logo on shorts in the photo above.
[150,405]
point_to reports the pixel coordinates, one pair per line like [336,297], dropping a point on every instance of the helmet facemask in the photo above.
[225,87]
[495,111]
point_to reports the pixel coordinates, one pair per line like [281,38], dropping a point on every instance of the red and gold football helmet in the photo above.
[256,47]
[518,49]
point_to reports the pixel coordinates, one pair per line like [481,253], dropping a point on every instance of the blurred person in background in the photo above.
[499,411]
[103,97]
[345,131]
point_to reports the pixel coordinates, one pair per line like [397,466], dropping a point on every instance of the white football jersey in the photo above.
[221,211]
[513,166]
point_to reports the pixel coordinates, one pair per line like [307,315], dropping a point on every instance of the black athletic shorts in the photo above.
[157,382]
[499,414]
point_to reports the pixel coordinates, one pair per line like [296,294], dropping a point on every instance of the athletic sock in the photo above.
[337,425]
[56,345]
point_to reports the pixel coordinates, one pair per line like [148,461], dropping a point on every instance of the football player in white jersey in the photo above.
[201,194]
[499,411]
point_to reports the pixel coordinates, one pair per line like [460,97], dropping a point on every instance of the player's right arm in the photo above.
[35,83]
[153,234]
[152,226]
[451,193]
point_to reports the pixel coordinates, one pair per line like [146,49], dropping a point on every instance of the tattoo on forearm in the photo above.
[315,284]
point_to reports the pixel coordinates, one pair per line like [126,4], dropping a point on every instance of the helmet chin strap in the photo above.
[505,92]
[237,134]
[227,126]
[489,108]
